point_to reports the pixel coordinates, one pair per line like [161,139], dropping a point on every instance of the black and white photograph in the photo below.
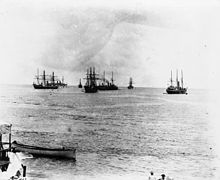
[109,90]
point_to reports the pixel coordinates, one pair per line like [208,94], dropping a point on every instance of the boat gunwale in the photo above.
[40,148]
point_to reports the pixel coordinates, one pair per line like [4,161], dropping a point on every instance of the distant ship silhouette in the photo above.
[176,89]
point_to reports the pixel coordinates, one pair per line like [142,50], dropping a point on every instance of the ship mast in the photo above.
[130,83]
[44,77]
[94,78]
[177,81]
[112,78]
[90,76]
[87,77]
[52,79]
[104,77]
[171,79]
[182,78]
[37,76]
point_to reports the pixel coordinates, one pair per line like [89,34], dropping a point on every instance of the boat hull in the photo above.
[107,88]
[45,152]
[90,89]
[36,86]
[130,87]
[179,91]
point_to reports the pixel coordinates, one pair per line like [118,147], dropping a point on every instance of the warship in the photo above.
[44,81]
[130,84]
[48,81]
[105,84]
[91,84]
[80,84]
[61,83]
[176,89]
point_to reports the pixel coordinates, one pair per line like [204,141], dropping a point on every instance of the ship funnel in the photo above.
[52,77]
[44,77]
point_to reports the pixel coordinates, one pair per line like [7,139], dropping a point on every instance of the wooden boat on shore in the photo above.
[45,152]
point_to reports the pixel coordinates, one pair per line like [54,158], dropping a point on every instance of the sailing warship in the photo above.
[47,81]
[130,84]
[106,84]
[91,84]
[176,89]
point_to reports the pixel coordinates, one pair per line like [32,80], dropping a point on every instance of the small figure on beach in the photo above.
[151,177]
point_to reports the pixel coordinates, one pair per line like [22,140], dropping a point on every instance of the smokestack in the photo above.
[44,77]
[52,78]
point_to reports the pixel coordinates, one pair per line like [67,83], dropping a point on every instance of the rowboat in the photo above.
[45,152]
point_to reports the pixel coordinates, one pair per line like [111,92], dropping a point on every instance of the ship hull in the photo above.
[45,152]
[61,85]
[176,91]
[107,88]
[130,87]
[36,86]
[90,89]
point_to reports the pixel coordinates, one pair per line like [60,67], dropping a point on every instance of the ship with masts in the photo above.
[130,86]
[91,78]
[178,89]
[48,81]
[105,84]
[80,84]
[61,83]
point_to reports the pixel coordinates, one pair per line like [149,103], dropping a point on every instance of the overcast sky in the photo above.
[144,40]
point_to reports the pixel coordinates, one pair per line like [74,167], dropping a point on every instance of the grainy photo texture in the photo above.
[105,90]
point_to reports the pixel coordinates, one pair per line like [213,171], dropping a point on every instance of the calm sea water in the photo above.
[118,134]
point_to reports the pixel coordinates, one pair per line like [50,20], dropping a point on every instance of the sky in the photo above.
[141,39]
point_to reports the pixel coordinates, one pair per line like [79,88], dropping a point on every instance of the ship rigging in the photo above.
[178,89]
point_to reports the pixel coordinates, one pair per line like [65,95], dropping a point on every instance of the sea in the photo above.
[121,134]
